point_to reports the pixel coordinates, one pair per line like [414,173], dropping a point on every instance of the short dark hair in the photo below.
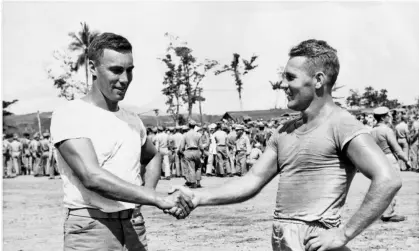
[380,117]
[319,55]
[109,41]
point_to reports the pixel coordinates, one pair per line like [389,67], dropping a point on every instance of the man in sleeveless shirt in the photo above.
[101,148]
[317,156]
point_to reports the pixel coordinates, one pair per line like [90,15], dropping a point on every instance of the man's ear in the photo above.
[93,69]
[320,79]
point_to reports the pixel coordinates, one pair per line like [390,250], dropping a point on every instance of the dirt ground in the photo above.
[33,219]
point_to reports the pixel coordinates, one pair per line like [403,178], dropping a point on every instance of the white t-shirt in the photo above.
[117,138]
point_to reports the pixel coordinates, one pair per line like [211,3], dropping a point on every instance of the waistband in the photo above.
[192,148]
[301,222]
[221,145]
[96,213]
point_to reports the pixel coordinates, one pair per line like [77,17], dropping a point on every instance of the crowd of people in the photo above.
[28,155]
[228,149]
[225,149]
[404,123]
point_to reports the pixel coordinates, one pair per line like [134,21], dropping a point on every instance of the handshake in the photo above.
[180,202]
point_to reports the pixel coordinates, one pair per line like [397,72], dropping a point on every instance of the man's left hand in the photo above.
[325,240]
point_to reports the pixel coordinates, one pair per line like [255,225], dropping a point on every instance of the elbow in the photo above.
[90,181]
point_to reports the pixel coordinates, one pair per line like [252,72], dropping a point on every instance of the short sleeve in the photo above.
[345,128]
[143,132]
[68,123]
[273,142]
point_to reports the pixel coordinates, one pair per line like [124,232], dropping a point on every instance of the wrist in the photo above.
[347,234]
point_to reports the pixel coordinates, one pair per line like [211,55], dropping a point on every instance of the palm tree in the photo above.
[239,71]
[81,42]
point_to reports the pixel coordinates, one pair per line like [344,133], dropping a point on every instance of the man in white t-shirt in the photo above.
[101,148]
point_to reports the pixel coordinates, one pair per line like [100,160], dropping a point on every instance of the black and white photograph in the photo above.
[210,125]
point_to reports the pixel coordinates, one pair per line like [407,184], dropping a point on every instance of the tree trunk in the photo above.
[86,65]
[200,109]
[177,111]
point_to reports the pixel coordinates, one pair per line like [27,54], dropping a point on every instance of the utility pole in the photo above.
[39,124]
[156,111]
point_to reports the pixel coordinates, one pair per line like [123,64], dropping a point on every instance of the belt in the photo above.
[192,148]
[221,145]
[96,213]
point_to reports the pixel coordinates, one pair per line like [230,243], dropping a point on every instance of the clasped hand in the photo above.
[179,202]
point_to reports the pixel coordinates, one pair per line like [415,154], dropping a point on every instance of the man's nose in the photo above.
[283,85]
[123,78]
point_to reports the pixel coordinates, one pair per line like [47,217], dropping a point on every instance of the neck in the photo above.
[96,97]
[318,107]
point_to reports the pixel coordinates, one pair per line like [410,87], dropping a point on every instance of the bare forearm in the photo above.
[153,172]
[235,191]
[375,203]
[112,187]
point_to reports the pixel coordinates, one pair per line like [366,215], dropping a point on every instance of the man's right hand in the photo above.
[177,203]
[185,193]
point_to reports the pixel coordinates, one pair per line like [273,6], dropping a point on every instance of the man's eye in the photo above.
[116,70]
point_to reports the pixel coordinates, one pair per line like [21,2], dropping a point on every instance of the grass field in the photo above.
[33,219]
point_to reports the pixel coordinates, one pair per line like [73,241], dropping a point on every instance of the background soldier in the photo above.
[189,148]
[35,150]
[162,141]
[242,151]
[177,139]
[222,164]
[6,156]
[16,154]
[26,168]
[45,155]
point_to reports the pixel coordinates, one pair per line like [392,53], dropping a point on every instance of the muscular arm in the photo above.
[153,161]
[385,182]
[79,154]
[242,189]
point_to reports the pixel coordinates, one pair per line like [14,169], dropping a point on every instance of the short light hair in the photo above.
[320,55]
[109,41]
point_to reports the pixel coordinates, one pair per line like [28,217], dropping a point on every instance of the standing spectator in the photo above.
[242,151]
[402,132]
[35,150]
[26,154]
[255,154]
[43,167]
[162,144]
[7,165]
[16,154]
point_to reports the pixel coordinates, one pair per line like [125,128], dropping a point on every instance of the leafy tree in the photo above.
[183,77]
[64,78]
[238,71]
[371,98]
[7,104]
[354,99]
[80,43]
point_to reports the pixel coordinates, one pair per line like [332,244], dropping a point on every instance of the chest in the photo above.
[307,149]
[118,137]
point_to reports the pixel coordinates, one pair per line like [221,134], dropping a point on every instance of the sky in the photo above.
[377,44]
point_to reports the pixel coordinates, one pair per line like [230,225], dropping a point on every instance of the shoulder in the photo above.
[73,105]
